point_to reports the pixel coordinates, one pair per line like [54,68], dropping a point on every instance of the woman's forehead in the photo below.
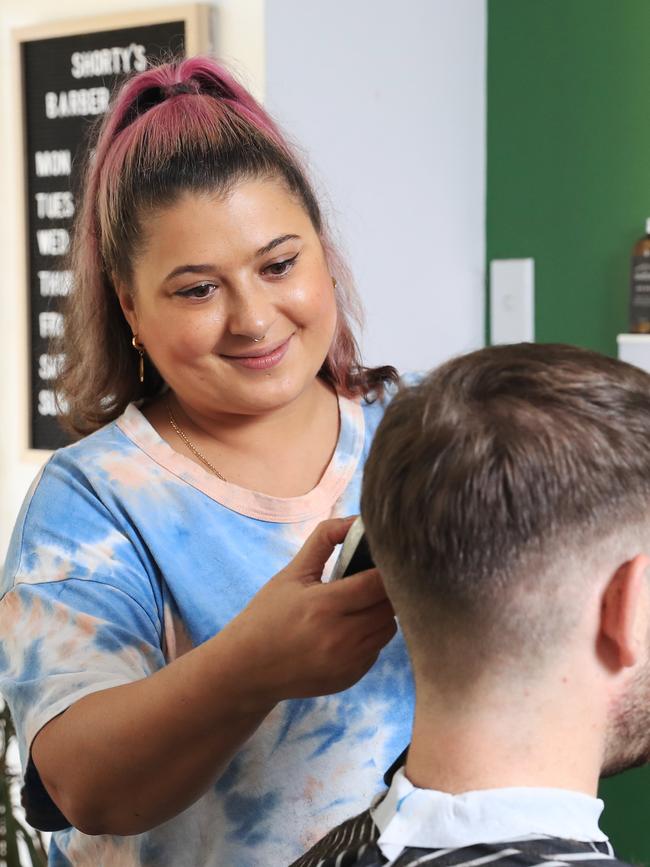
[259,190]
[241,222]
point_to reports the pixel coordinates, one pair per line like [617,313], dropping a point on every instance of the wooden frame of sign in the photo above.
[64,72]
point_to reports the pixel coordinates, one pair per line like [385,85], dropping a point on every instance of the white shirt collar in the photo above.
[427,819]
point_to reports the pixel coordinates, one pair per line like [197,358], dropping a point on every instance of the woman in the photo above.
[178,705]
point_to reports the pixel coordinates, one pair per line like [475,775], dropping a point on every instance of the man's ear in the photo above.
[125,297]
[623,616]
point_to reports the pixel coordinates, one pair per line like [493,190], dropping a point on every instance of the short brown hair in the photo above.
[492,467]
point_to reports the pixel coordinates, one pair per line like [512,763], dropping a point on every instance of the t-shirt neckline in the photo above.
[254,504]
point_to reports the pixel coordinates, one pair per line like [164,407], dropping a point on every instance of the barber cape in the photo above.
[526,827]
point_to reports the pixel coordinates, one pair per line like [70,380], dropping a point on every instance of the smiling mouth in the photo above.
[261,358]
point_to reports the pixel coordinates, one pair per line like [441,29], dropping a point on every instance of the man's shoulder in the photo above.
[347,844]
[354,844]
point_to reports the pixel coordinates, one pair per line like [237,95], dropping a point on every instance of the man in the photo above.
[507,504]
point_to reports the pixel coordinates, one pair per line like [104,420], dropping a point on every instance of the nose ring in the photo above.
[257,339]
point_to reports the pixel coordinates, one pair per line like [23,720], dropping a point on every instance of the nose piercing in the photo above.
[257,339]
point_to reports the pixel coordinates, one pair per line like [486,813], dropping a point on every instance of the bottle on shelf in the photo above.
[640,284]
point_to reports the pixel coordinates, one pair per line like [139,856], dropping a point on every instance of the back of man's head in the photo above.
[497,491]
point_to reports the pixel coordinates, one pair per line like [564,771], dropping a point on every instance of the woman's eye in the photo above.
[203,290]
[277,269]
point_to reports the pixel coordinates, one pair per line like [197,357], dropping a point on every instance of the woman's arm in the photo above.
[125,759]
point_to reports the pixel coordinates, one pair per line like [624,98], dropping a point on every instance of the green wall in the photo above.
[568,183]
[569,155]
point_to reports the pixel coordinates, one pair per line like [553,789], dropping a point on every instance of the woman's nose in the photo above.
[251,312]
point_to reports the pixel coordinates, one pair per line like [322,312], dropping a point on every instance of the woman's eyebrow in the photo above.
[207,268]
[189,269]
[276,242]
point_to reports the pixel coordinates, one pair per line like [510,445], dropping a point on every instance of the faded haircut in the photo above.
[499,484]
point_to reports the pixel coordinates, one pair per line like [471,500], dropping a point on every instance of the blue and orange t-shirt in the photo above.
[127,554]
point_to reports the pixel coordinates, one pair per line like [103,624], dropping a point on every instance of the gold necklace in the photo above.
[188,442]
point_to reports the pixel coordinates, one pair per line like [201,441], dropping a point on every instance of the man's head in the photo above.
[507,503]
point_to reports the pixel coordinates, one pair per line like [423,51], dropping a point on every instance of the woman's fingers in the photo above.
[373,628]
[312,638]
[309,562]
[380,637]
[358,592]
[374,617]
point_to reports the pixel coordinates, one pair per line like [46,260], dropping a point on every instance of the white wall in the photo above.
[389,103]
[388,100]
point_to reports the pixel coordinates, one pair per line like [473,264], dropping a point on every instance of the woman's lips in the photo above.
[262,362]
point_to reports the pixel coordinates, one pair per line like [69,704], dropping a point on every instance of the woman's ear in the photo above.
[624,615]
[125,297]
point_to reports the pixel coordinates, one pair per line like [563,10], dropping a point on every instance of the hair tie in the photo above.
[153,96]
[182,87]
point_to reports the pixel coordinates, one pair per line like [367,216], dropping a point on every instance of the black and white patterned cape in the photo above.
[354,844]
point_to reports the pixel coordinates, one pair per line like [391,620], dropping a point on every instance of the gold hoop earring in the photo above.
[334,283]
[139,347]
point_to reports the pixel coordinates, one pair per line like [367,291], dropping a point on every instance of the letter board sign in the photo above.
[67,81]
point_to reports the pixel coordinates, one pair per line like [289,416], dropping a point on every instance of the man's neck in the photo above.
[522,740]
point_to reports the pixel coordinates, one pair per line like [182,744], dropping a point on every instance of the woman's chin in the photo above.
[264,399]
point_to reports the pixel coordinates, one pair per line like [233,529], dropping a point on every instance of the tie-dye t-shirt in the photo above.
[127,554]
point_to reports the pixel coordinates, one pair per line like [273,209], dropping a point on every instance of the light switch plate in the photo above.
[635,349]
[512,300]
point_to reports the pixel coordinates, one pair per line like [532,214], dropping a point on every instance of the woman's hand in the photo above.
[308,638]
[100,761]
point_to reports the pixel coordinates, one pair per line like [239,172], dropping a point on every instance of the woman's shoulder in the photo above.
[103,458]
[67,487]
[377,403]
[374,406]
[413,377]
[84,451]
[74,504]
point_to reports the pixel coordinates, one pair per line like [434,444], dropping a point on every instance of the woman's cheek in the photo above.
[329,313]
[195,338]
[312,306]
